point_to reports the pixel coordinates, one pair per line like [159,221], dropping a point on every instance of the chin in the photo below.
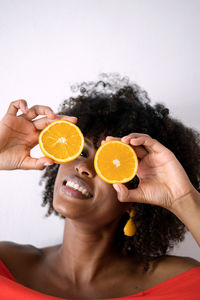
[68,210]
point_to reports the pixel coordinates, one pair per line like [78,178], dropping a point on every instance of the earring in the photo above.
[130,228]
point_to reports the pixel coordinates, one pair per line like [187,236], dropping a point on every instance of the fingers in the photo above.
[139,139]
[140,150]
[37,110]
[110,138]
[16,105]
[31,113]
[30,163]
[40,124]
[143,144]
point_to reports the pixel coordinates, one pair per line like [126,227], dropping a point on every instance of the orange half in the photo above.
[62,141]
[116,162]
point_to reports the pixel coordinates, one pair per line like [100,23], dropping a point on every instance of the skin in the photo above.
[86,265]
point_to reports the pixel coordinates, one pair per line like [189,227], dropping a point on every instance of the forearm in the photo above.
[187,209]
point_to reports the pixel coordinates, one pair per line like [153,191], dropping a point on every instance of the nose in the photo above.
[85,169]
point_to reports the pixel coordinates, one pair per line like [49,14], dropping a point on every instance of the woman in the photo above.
[96,260]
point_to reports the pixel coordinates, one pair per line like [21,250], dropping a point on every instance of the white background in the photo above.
[46,45]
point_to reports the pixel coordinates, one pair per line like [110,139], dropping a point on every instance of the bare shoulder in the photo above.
[24,261]
[15,255]
[171,266]
[182,262]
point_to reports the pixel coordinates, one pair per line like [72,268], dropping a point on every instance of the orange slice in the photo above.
[62,141]
[116,162]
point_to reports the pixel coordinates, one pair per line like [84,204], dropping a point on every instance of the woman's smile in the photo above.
[75,187]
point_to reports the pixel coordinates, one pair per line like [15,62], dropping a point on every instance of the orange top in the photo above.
[185,286]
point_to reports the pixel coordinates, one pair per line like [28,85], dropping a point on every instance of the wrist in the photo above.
[189,201]
[187,209]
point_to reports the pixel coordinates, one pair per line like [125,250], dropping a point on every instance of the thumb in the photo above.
[36,163]
[122,192]
[125,195]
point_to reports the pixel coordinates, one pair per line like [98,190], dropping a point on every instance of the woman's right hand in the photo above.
[19,134]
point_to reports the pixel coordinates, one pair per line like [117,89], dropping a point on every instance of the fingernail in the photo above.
[116,187]
[125,139]
[47,164]
[74,118]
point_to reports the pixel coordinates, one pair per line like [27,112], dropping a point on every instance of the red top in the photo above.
[185,286]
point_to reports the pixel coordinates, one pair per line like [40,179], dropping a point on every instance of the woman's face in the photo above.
[79,193]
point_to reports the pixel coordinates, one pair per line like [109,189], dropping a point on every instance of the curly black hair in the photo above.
[113,106]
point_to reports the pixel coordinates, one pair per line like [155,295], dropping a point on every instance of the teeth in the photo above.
[75,186]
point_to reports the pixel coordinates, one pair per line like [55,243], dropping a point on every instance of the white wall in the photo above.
[46,45]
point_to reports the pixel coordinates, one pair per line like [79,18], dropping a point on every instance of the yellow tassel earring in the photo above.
[130,228]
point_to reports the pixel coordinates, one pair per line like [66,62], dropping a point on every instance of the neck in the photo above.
[86,251]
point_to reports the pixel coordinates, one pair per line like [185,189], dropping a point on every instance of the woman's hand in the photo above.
[162,178]
[19,134]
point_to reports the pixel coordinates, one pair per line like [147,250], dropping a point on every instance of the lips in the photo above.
[75,187]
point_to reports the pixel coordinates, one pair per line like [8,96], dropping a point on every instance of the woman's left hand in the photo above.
[163,180]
